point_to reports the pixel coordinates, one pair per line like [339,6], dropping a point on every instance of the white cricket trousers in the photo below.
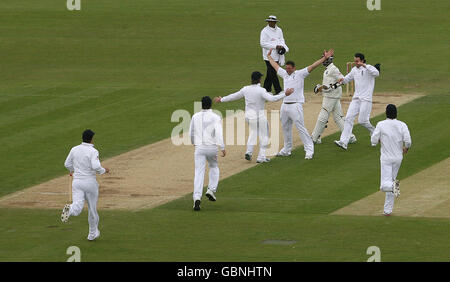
[361,109]
[258,127]
[329,106]
[85,189]
[201,156]
[293,114]
[389,171]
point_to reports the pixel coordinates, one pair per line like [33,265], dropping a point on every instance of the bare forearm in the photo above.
[273,63]
[316,64]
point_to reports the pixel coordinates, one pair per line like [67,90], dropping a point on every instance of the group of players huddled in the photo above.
[206,127]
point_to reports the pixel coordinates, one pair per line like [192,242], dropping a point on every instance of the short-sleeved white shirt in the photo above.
[294,80]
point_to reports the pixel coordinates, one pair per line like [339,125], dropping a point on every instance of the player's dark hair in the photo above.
[256,77]
[391,111]
[291,63]
[360,56]
[88,135]
[206,103]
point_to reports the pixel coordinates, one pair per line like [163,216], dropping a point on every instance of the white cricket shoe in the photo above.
[397,188]
[283,154]
[65,213]
[210,195]
[265,160]
[352,139]
[93,236]
[318,141]
[340,144]
[309,156]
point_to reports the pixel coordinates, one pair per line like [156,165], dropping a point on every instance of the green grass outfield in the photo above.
[122,67]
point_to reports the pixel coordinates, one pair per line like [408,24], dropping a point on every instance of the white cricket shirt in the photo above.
[83,161]
[392,134]
[364,81]
[206,129]
[295,80]
[331,75]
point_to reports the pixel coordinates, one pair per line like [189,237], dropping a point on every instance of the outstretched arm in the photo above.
[232,97]
[326,55]
[273,98]
[349,77]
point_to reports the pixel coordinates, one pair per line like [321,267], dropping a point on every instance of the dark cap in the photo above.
[256,75]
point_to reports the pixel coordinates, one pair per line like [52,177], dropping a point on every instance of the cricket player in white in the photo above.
[331,103]
[255,101]
[361,105]
[206,134]
[292,107]
[83,163]
[395,141]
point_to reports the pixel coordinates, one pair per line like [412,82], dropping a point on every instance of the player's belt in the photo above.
[291,103]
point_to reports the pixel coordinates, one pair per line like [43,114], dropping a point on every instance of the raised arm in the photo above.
[272,61]
[372,70]
[326,55]
[232,97]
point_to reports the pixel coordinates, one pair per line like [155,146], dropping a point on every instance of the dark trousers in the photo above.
[271,78]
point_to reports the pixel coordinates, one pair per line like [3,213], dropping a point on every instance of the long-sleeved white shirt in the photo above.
[364,81]
[295,80]
[255,99]
[206,130]
[83,161]
[330,76]
[269,39]
[392,134]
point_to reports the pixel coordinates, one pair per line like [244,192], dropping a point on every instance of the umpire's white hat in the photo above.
[272,18]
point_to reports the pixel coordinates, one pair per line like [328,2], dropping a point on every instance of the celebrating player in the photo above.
[361,104]
[83,162]
[331,103]
[271,37]
[255,99]
[206,134]
[292,109]
[395,141]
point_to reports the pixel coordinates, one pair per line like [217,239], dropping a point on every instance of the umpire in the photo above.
[272,38]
